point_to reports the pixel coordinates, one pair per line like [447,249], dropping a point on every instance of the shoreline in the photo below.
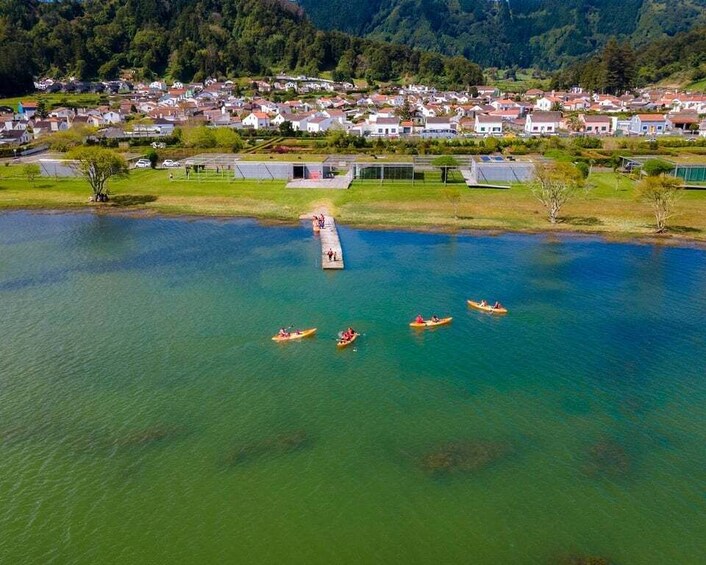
[666,240]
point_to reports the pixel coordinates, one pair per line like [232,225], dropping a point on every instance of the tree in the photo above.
[97,165]
[453,196]
[656,167]
[445,162]
[618,65]
[404,112]
[228,139]
[31,171]
[199,136]
[286,129]
[574,123]
[661,192]
[153,158]
[555,184]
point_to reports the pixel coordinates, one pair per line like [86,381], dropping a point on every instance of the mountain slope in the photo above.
[193,39]
[546,33]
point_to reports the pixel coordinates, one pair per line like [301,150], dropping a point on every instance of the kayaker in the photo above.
[419,319]
[435,318]
[483,303]
[283,332]
[497,305]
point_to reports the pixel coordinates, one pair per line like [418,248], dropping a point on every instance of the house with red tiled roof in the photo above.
[684,121]
[257,120]
[596,124]
[648,124]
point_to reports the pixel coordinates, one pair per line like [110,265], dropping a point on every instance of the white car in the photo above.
[168,163]
[142,164]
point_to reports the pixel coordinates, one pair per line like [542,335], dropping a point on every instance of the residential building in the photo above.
[257,120]
[488,125]
[648,124]
[538,123]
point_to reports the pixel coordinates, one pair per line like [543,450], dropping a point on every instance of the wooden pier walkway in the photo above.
[329,240]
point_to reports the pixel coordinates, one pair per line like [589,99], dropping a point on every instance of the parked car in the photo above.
[142,164]
[168,163]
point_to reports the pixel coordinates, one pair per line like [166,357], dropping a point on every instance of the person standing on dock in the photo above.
[330,254]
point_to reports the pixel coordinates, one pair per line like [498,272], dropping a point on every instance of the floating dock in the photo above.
[329,240]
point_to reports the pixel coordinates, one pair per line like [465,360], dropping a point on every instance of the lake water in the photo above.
[147,417]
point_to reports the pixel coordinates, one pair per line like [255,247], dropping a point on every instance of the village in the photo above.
[312,107]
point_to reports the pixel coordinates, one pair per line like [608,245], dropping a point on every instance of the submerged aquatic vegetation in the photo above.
[607,458]
[275,445]
[463,456]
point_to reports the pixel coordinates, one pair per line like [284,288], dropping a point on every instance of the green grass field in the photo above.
[57,99]
[609,207]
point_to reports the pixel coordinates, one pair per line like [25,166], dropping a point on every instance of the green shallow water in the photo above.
[146,416]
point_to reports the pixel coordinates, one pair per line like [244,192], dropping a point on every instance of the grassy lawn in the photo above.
[609,207]
[57,99]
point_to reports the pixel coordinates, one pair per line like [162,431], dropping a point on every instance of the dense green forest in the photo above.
[194,39]
[503,33]
[618,67]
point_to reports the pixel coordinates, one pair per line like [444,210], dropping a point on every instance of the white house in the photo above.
[488,125]
[546,103]
[439,125]
[112,117]
[257,120]
[387,127]
[318,124]
[542,122]
[299,121]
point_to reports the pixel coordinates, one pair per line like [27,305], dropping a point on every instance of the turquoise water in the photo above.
[146,416]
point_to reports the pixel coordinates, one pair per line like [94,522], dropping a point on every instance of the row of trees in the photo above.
[194,39]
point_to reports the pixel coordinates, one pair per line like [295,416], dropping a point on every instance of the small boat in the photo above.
[486,307]
[298,334]
[341,343]
[430,323]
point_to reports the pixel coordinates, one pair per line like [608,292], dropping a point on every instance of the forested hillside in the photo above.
[619,67]
[544,33]
[193,39]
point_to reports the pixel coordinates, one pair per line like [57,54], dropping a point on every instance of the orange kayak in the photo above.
[341,343]
[486,308]
[430,324]
[299,334]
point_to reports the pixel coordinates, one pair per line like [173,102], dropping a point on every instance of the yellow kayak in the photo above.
[487,307]
[298,334]
[430,324]
[341,343]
